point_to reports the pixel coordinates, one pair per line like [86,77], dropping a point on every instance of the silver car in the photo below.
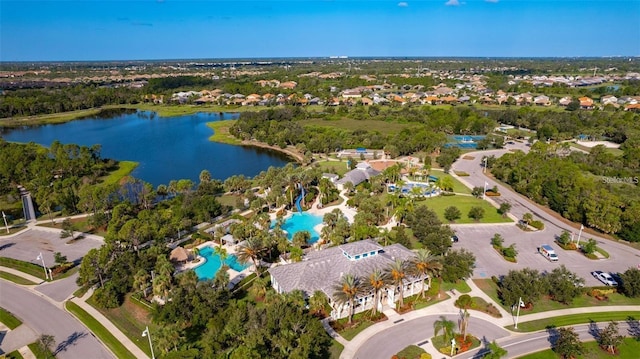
[605,278]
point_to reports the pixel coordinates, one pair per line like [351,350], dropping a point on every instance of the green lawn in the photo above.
[573,319]
[411,352]
[221,132]
[335,350]
[48,119]
[337,167]
[352,125]
[39,351]
[131,318]
[464,204]
[8,319]
[460,286]
[15,355]
[99,330]
[613,151]
[544,304]
[361,322]
[16,279]
[82,225]
[628,350]
[124,169]
[25,267]
[458,187]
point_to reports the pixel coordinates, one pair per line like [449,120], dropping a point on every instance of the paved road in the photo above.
[533,342]
[60,289]
[390,341]
[72,338]
[477,238]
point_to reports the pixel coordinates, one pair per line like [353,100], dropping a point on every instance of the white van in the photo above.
[548,252]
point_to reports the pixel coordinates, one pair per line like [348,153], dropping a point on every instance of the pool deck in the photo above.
[234,275]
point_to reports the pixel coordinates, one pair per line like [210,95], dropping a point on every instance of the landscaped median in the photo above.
[118,349]
[573,319]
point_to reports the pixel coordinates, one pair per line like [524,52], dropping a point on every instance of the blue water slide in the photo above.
[299,199]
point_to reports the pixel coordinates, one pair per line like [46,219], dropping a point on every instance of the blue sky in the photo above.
[175,29]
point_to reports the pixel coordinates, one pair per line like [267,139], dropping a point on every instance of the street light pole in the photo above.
[484,193]
[146,333]
[5,221]
[484,169]
[580,233]
[44,266]
[518,312]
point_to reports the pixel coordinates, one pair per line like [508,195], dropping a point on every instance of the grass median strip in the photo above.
[22,266]
[16,279]
[8,319]
[573,319]
[100,331]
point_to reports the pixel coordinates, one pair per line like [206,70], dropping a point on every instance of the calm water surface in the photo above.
[167,148]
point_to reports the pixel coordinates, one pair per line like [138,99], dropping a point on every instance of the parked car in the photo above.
[548,252]
[605,278]
[454,239]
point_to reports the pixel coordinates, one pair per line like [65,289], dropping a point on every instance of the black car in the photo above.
[454,239]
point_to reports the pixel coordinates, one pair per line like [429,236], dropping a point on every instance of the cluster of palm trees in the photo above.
[395,276]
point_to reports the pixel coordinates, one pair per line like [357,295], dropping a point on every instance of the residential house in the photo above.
[322,271]
[609,100]
[288,85]
[565,101]
[541,100]
[586,102]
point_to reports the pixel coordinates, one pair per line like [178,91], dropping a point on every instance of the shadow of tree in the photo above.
[553,335]
[634,327]
[70,341]
[594,330]
[484,350]
[7,245]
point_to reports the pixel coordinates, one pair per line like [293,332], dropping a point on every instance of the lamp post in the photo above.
[44,266]
[484,193]
[484,169]
[5,221]
[453,342]
[520,304]
[146,333]
[580,234]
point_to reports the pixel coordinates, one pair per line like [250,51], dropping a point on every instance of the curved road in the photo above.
[489,263]
[72,339]
[390,341]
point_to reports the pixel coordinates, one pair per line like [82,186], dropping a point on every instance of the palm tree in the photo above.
[376,281]
[445,325]
[347,290]
[250,250]
[425,263]
[141,280]
[397,272]
[318,302]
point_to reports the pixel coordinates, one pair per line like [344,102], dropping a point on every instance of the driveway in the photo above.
[72,339]
[477,238]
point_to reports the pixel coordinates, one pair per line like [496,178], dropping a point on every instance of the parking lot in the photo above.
[477,239]
[27,245]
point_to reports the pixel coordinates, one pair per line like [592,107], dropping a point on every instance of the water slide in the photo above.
[299,199]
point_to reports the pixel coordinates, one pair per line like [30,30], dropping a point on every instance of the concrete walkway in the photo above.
[82,303]
[447,307]
[26,276]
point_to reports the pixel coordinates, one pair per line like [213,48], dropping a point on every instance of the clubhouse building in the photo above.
[322,270]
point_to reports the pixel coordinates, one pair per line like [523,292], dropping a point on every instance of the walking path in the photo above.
[447,307]
[81,302]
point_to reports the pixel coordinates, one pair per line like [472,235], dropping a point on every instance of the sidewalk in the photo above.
[447,307]
[18,273]
[81,302]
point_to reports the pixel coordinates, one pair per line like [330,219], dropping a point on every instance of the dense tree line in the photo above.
[63,99]
[549,177]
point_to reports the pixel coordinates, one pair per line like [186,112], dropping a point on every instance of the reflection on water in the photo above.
[167,147]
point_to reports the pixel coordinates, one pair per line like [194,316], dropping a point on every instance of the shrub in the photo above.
[447,194]
[537,225]
[492,194]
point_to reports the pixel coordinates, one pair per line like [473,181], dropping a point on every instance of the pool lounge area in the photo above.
[427,189]
[212,263]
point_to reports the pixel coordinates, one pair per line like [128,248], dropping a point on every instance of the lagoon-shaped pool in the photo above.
[302,221]
[212,264]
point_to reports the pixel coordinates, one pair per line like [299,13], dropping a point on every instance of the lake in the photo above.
[167,148]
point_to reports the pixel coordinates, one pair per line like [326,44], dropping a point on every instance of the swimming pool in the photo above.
[208,269]
[302,222]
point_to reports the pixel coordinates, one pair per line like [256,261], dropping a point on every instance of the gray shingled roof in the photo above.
[321,270]
[358,176]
